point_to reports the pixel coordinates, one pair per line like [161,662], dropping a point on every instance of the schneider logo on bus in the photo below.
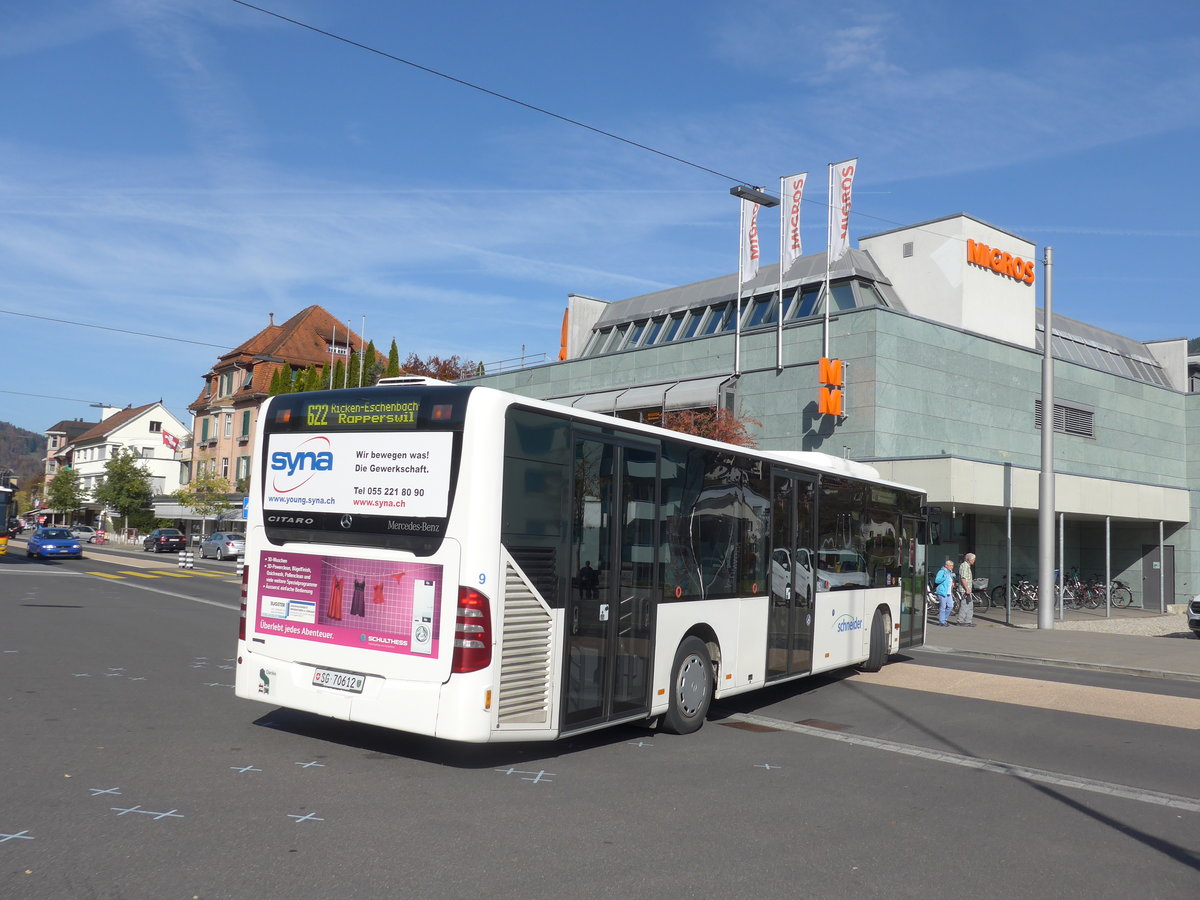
[848,623]
[325,415]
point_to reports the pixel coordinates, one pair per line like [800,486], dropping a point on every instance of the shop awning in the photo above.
[696,393]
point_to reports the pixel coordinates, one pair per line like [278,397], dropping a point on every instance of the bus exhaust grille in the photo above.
[525,658]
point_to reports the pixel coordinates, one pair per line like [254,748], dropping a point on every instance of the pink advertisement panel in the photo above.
[377,604]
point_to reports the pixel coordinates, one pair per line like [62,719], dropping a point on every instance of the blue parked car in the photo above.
[47,543]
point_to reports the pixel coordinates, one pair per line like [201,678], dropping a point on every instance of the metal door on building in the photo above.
[610,613]
[792,578]
[1156,584]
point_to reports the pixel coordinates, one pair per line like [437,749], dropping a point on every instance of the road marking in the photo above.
[175,574]
[135,574]
[207,574]
[106,575]
[1108,703]
[1025,773]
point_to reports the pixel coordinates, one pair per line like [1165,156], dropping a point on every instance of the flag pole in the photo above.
[737,334]
[362,352]
[828,250]
[783,207]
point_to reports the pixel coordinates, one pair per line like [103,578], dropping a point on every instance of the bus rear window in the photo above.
[374,467]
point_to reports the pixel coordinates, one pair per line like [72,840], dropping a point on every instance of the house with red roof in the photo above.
[227,408]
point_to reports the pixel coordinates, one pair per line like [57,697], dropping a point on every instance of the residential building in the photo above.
[60,444]
[938,328]
[151,431]
[226,410]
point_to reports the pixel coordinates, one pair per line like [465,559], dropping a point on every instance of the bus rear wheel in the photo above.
[691,687]
[880,639]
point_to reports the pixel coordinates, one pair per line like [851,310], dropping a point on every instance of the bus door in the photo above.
[793,577]
[610,613]
[912,582]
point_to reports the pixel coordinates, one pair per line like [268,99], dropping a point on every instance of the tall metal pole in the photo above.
[1008,543]
[1107,566]
[828,250]
[1046,478]
[783,205]
[737,334]
[1162,571]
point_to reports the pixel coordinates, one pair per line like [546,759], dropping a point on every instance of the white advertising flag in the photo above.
[750,247]
[841,185]
[791,190]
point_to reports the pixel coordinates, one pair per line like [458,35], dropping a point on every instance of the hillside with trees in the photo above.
[21,450]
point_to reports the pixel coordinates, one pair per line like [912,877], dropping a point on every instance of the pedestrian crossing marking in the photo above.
[174,574]
[106,575]
[135,574]
[207,574]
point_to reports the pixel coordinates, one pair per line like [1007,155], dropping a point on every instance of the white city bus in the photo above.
[459,562]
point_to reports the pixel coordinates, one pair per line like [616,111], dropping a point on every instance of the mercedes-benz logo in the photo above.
[347,521]
[422,634]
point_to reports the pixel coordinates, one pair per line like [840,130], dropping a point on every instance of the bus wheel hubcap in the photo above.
[691,685]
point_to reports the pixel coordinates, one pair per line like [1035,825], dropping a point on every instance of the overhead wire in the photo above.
[542,110]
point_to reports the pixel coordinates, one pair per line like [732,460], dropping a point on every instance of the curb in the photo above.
[1065,663]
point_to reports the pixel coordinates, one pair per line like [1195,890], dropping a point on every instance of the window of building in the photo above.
[224,466]
[246,423]
[204,429]
[809,304]
[243,467]
[654,330]
[54,442]
[716,318]
[1067,419]
[155,427]
[672,328]
[228,424]
[148,453]
[635,333]
[760,309]
[692,323]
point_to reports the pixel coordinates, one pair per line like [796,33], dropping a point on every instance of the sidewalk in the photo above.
[1132,642]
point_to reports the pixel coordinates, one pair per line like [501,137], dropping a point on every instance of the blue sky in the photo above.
[185,167]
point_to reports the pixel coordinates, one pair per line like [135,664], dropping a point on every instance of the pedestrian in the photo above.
[943,585]
[966,579]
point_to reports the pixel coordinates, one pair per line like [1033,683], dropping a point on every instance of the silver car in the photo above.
[223,545]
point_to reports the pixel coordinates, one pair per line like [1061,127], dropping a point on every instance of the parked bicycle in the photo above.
[1024,594]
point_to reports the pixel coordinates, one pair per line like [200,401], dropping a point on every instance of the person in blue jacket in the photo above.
[944,588]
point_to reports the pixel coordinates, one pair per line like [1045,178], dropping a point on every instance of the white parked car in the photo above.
[223,545]
[84,533]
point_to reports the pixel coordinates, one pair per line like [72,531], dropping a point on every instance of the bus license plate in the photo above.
[339,681]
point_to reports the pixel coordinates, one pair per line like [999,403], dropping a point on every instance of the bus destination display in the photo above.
[368,414]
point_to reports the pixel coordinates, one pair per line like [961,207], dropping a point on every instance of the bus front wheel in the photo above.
[880,639]
[691,687]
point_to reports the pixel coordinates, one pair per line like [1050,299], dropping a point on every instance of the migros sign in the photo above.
[998,261]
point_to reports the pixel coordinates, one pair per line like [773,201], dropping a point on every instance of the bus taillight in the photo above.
[242,621]
[472,632]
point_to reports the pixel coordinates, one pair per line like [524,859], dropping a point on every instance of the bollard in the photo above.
[241,564]
[185,560]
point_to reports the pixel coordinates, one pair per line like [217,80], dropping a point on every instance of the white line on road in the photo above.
[1025,773]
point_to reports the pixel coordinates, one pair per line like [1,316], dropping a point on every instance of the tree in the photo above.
[714,424]
[393,363]
[65,493]
[126,486]
[205,495]
[452,368]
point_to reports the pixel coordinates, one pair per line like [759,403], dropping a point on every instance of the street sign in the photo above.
[245,507]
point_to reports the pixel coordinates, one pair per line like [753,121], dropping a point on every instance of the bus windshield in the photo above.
[374,467]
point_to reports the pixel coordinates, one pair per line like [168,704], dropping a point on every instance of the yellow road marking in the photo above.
[205,574]
[106,575]
[1128,706]
[173,574]
[135,574]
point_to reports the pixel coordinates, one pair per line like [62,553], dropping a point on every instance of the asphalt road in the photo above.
[131,771]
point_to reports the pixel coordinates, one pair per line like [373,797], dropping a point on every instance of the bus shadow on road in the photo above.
[384,743]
